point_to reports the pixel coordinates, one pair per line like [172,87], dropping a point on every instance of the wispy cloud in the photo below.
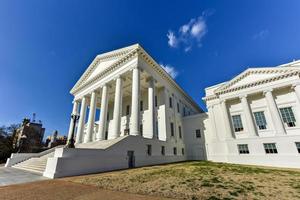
[261,35]
[170,70]
[189,34]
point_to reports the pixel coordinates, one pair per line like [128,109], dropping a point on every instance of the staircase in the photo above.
[35,164]
[103,144]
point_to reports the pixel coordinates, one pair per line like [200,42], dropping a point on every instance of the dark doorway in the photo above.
[131,160]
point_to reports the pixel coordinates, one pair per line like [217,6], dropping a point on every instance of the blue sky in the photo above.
[46,45]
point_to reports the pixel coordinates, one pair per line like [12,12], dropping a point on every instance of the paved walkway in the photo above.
[9,176]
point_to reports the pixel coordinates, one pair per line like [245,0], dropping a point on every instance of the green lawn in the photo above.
[201,180]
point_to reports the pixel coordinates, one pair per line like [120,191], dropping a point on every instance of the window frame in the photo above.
[243,149]
[288,118]
[172,129]
[175,151]
[179,132]
[198,131]
[238,122]
[163,150]
[260,120]
[149,149]
[127,110]
[141,105]
[270,148]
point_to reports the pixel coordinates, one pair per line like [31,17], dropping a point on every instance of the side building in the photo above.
[255,117]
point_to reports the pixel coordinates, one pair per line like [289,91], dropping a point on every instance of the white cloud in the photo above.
[172,39]
[189,34]
[261,35]
[170,70]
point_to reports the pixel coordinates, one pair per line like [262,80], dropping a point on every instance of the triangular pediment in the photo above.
[253,75]
[101,63]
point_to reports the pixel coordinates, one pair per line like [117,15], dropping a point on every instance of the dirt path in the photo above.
[61,190]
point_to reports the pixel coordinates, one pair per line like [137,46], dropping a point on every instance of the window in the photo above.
[172,129]
[182,151]
[155,101]
[198,133]
[270,148]
[237,123]
[163,151]
[175,151]
[141,129]
[243,148]
[183,111]
[127,110]
[170,102]
[288,116]
[141,106]
[178,109]
[149,150]
[260,120]
[107,116]
[179,130]
[298,146]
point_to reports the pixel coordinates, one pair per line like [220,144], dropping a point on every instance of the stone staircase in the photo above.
[35,164]
[103,144]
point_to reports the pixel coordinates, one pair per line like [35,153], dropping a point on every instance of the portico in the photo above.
[110,98]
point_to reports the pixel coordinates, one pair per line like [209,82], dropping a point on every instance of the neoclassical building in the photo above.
[132,113]
[255,117]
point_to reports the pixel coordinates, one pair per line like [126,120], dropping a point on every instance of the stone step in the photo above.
[32,169]
[26,164]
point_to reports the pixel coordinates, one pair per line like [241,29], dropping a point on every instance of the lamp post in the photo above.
[71,141]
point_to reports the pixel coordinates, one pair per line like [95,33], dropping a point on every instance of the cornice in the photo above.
[290,73]
[254,71]
[260,82]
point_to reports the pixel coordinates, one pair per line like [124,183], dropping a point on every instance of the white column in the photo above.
[248,115]
[135,102]
[103,114]
[117,110]
[151,107]
[81,121]
[74,111]
[212,122]
[91,119]
[229,133]
[279,126]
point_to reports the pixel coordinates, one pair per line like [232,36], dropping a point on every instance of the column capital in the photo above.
[135,67]
[268,91]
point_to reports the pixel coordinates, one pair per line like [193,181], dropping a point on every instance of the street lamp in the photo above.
[70,143]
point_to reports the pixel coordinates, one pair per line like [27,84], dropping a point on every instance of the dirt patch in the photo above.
[63,190]
[201,180]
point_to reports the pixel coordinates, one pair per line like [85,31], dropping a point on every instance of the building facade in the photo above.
[254,118]
[132,113]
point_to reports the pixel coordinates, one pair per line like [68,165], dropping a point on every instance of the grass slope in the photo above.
[201,180]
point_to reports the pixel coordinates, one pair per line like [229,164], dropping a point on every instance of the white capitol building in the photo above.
[146,118]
